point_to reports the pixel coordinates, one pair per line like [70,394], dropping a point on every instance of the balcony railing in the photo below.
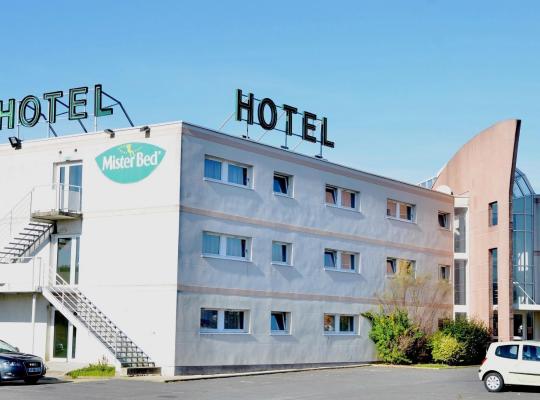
[23,274]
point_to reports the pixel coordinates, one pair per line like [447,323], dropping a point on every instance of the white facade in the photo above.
[141,259]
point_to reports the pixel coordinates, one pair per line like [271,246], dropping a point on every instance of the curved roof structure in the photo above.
[522,186]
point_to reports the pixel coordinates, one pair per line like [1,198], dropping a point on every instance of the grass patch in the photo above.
[434,366]
[98,370]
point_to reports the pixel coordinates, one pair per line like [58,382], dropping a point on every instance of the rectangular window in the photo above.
[212,169]
[279,322]
[209,319]
[342,198]
[400,211]
[211,243]
[531,353]
[507,351]
[216,244]
[460,283]
[400,266]
[340,260]
[226,171]
[444,220]
[330,257]
[460,230]
[494,276]
[234,320]
[281,253]
[331,195]
[237,175]
[493,214]
[444,273]
[338,324]
[282,184]
[219,320]
[236,247]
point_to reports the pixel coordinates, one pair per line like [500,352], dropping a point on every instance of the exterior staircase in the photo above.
[27,241]
[75,305]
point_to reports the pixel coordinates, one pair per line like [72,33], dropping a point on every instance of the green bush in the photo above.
[446,349]
[473,335]
[396,338]
[99,369]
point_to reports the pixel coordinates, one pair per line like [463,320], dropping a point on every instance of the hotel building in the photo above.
[193,251]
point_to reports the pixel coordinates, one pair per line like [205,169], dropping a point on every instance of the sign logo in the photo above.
[130,162]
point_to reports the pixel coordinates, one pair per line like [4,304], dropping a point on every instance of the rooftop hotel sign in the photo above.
[30,108]
[266,111]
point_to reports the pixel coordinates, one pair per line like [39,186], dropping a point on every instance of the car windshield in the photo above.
[6,348]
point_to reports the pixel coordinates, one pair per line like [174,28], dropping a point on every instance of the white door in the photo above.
[64,338]
[67,260]
[69,184]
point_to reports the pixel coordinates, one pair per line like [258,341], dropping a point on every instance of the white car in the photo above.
[511,363]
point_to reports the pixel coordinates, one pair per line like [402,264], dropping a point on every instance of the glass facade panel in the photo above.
[460,282]
[460,238]
[523,241]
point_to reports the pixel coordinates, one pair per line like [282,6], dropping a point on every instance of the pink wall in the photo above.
[483,170]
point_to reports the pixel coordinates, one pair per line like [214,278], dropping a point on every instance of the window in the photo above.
[279,322]
[330,257]
[494,276]
[396,266]
[211,243]
[460,316]
[444,272]
[400,211]
[342,198]
[531,353]
[209,319]
[281,253]
[340,260]
[460,282]
[282,184]
[226,171]
[217,320]
[493,214]
[507,351]
[444,220]
[338,324]
[215,244]
[212,169]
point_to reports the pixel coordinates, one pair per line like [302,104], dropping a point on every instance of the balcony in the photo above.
[21,275]
[56,202]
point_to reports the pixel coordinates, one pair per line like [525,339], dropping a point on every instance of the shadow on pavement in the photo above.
[43,381]
[523,389]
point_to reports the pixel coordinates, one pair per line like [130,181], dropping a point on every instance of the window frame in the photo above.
[339,198]
[448,273]
[337,325]
[221,322]
[287,330]
[397,217]
[396,267]
[493,217]
[223,246]
[290,184]
[448,215]
[339,261]
[225,172]
[289,247]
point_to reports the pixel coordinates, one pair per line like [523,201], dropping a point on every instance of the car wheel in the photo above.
[31,381]
[493,382]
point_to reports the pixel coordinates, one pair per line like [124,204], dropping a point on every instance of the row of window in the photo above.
[236,247]
[237,321]
[237,174]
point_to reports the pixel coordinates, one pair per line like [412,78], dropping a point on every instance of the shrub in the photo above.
[473,335]
[396,338]
[99,369]
[446,349]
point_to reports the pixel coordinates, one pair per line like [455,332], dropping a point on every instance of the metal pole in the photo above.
[33,320]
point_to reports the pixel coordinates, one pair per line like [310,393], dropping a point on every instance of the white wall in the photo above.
[311,226]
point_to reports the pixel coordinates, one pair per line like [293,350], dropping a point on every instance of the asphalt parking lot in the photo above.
[378,383]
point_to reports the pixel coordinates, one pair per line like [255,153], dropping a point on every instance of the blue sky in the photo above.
[403,83]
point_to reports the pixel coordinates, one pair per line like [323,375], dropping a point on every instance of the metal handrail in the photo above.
[524,291]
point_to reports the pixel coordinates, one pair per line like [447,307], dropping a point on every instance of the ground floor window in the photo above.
[337,323]
[279,322]
[64,337]
[221,320]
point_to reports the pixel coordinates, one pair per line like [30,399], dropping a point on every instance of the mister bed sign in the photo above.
[130,162]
